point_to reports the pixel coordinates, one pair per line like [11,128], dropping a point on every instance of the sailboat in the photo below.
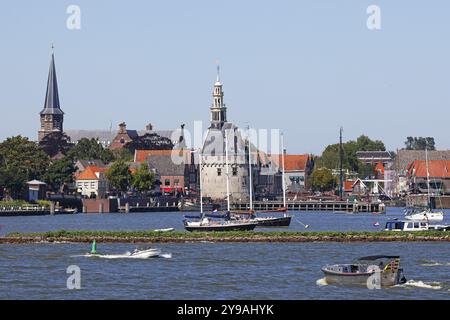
[428,214]
[207,221]
[264,221]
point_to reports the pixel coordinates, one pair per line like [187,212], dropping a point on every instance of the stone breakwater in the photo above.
[184,237]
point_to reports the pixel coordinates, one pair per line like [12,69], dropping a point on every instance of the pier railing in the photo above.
[314,205]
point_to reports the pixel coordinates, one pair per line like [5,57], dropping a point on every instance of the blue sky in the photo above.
[307,67]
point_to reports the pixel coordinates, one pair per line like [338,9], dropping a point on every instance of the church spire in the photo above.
[52,116]
[51,104]
[218,108]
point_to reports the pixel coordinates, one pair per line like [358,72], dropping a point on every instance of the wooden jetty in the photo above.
[315,205]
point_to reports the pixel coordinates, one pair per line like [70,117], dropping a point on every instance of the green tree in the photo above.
[56,142]
[20,160]
[322,179]
[90,149]
[59,174]
[420,143]
[143,179]
[330,156]
[119,176]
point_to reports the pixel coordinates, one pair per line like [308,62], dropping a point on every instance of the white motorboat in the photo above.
[164,230]
[399,225]
[425,215]
[361,272]
[136,254]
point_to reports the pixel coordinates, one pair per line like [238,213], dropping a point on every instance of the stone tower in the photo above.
[52,116]
[218,108]
[214,162]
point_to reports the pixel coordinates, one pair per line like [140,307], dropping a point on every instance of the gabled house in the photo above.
[439,176]
[297,169]
[175,168]
[91,182]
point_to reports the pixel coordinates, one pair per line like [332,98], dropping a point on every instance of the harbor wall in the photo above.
[100,205]
[421,200]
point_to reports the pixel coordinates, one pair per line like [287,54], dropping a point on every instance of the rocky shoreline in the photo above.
[184,237]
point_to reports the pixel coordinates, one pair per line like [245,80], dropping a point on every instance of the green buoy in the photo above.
[94,247]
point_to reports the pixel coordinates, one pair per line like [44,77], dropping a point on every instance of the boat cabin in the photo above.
[407,226]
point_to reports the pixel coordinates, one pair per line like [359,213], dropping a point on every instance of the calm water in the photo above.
[210,270]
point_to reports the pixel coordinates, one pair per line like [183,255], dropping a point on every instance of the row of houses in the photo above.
[177,172]
[406,172]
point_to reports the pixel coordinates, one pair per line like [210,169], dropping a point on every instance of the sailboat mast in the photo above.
[200,175]
[428,177]
[250,172]
[341,176]
[227,170]
[282,172]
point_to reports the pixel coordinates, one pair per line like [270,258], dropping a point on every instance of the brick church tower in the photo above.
[52,116]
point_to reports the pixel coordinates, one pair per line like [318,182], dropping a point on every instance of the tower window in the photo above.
[235,171]
[219,171]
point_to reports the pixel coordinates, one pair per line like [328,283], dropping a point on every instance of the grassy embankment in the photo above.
[182,236]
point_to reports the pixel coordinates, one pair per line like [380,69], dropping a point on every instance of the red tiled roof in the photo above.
[90,173]
[292,162]
[436,168]
[141,155]
[348,185]
[379,167]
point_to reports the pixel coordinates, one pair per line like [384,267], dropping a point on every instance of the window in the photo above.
[416,225]
[167,182]
[410,225]
[176,182]
[219,171]
[235,171]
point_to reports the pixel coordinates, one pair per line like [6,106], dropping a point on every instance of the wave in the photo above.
[126,255]
[421,284]
[431,263]
[321,282]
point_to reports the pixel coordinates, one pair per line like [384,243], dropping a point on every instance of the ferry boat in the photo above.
[402,225]
[359,273]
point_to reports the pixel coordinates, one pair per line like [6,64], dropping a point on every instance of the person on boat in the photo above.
[94,247]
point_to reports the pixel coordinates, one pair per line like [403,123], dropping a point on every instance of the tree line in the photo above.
[22,160]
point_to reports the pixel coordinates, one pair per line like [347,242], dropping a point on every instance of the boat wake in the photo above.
[321,282]
[126,255]
[421,284]
[431,263]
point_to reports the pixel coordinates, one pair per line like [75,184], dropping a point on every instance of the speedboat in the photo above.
[364,272]
[145,253]
[164,230]
[425,215]
[136,254]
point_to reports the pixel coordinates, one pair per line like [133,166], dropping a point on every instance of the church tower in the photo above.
[52,116]
[218,109]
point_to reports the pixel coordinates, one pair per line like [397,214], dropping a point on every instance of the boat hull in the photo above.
[222,227]
[274,222]
[387,279]
[427,216]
